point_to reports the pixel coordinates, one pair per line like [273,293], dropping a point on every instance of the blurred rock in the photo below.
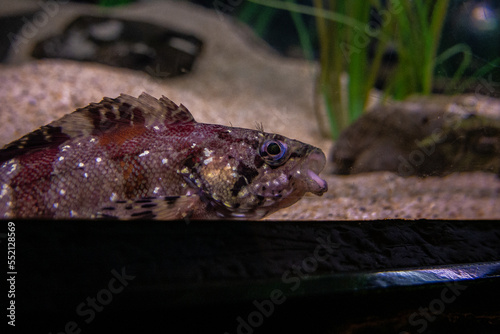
[156,50]
[423,136]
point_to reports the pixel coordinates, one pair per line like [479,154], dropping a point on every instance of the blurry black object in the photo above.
[156,50]
[208,276]
[9,27]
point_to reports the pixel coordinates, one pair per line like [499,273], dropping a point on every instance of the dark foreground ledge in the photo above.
[256,277]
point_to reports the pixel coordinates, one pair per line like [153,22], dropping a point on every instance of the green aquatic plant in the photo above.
[343,48]
[352,41]
[332,23]
[417,31]
[259,16]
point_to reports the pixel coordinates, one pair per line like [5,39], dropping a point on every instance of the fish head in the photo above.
[249,174]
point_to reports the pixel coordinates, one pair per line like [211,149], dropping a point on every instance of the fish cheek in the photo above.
[229,183]
[217,179]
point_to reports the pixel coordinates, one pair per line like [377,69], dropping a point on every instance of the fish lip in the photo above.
[314,164]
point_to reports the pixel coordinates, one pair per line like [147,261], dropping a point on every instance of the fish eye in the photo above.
[273,149]
[273,152]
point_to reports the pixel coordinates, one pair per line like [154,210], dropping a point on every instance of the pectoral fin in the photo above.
[158,208]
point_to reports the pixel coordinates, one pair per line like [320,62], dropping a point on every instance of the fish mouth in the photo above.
[315,163]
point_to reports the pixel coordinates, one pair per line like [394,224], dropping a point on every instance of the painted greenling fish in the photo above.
[144,157]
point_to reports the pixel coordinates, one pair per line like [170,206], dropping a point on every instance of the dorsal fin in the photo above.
[109,115]
[172,112]
[126,110]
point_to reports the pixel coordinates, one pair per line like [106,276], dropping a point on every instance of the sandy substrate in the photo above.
[384,195]
[237,81]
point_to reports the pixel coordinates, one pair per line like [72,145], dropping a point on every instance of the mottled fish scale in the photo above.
[144,157]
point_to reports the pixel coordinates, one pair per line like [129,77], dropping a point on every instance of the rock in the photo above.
[156,50]
[423,136]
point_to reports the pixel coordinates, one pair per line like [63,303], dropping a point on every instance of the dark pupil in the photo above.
[273,149]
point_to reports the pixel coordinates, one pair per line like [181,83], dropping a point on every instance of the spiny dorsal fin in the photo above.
[172,112]
[162,108]
[126,111]
[109,115]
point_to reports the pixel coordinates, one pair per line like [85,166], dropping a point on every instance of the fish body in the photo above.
[130,157]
